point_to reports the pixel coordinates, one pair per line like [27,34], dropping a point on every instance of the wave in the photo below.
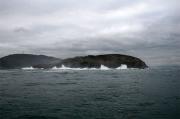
[123,66]
[102,67]
[63,67]
[28,68]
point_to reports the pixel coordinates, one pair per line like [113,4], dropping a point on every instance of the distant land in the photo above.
[17,61]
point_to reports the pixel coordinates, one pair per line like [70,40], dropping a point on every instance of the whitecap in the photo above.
[28,68]
[93,68]
[62,68]
[103,67]
[123,66]
[54,68]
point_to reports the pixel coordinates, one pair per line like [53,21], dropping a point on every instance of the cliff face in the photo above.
[90,61]
[109,60]
[25,60]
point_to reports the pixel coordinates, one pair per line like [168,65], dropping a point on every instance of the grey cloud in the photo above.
[148,29]
[20,29]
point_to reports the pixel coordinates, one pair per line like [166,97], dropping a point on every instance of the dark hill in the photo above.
[90,61]
[25,60]
[109,60]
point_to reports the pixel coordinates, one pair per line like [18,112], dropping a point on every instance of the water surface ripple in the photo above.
[109,94]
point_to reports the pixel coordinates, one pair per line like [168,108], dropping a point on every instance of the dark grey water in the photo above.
[125,94]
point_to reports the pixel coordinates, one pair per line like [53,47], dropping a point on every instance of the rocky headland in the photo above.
[17,61]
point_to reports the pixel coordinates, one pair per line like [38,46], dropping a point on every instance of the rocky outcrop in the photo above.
[109,60]
[25,60]
[90,61]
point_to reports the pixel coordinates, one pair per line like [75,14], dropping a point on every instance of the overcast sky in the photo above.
[148,29]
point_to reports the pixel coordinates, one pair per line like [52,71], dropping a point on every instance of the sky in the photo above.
[148,29]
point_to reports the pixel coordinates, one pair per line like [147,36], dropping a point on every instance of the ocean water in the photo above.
[152,93]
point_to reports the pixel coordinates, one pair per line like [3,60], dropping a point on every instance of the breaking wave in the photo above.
[28,68]
[68,68]
[63,67]
[102,67]
[123,66]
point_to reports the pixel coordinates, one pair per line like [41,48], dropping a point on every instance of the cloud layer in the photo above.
[148,29]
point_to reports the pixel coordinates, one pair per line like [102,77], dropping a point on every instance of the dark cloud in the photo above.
[148,29]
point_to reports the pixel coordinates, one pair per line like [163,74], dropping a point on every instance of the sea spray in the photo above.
[28,68]
[63,67]
[103,67]
[123,66]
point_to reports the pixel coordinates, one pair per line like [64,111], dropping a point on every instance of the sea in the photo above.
[152,93]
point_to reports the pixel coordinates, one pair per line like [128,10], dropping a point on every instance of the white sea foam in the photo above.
[54,68]
[123,66]
[63,67]
[93,68]
[103,67]
[28,68]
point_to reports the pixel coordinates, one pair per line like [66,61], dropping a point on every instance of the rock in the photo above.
[108,60]
[25,60]
[90,61]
